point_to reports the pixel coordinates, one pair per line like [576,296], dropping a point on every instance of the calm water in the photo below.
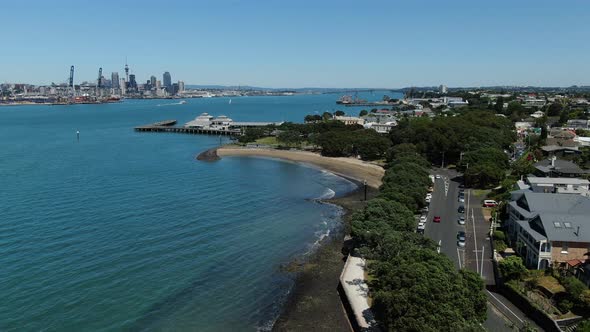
[126,231]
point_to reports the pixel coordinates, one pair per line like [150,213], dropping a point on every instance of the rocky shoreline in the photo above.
[314,303]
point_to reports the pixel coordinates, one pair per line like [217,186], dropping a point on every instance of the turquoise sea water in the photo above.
[127,231]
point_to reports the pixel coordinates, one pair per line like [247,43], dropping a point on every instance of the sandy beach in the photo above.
[347,167]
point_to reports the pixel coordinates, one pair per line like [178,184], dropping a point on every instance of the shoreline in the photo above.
[314,303]
[349,168]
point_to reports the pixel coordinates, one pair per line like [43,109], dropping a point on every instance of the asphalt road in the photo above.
[476,255]
[444,204]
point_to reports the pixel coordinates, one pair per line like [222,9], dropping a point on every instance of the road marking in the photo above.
[512,312]
[482,249]
[474,239]
[459,258]
[439,245]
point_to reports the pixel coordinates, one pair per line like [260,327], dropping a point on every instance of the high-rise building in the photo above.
[158,85]
[174,89]
[442,89]
[167,80]
[153,81]
[132,85]
[115,80]
[123,86]
[180,86]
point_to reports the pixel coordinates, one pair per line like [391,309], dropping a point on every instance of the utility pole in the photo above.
[443,160]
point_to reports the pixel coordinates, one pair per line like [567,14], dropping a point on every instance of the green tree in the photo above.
[583,326]
[252,134]
[327,116]
[512,268]
[363,113]
[339,113]
[290,137]
[554,109]
[484,175]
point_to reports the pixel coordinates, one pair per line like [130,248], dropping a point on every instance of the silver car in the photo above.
[461,220]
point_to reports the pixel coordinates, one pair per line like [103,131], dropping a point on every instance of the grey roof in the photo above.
[560,214]
[558,203]
[553,148]
[526,225]
[564,227]
[561,166]
[542,180]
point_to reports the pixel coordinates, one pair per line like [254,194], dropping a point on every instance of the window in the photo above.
[557,224]
[564,248]
[567,225]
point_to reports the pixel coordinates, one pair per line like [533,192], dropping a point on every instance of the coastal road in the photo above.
[476,255]
[444,204]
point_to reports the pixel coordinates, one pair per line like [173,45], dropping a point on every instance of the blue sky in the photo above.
[301,43]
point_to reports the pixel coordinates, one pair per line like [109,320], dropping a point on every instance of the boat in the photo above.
[182,102]
[229,101]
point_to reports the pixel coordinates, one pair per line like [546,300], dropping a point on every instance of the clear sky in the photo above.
[300,43]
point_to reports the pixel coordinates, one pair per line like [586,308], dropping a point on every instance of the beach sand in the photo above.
[348,167]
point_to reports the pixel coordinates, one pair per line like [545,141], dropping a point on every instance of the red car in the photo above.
[436,219]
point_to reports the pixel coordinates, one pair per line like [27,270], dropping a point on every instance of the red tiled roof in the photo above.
[574,262]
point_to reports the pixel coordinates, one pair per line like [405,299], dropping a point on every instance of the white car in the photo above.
[423,218]
[461,220]
[427,199]
[438,176]
[429,196]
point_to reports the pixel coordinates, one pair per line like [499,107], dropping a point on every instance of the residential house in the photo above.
[549,229]
[554,167]
[350,120]
[578,124]
[556,185]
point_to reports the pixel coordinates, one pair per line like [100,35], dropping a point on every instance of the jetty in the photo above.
[167,126]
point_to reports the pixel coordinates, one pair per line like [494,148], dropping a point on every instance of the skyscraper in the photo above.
[115,80]
[132,83]
[180,86]
[153,81]
[167,80]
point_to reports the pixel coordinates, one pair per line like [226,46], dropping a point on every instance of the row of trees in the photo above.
[414,288]
[474,140]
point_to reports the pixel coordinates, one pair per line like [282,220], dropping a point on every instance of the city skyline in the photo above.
[304,44]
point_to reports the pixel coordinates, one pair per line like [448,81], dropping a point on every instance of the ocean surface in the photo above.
[127,231]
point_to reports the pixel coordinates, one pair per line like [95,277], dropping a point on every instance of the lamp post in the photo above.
[365,184]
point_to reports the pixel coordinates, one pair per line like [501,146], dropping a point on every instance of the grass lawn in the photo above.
[551,284]
[271,140]
[480,192]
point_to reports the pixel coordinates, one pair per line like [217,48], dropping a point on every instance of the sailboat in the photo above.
[229,101]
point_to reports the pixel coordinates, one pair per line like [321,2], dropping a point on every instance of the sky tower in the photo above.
[126,71]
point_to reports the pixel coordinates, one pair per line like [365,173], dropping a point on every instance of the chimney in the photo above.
[553,161]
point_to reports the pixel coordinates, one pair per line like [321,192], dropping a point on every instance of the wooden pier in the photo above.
[168,127]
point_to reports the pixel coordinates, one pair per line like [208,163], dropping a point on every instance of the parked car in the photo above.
[489,203]
[438,176]
[461,239]
[461,220]
[424,209]
[420,229]
[461,209]
[423,218]
[436,219]
[461,199]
